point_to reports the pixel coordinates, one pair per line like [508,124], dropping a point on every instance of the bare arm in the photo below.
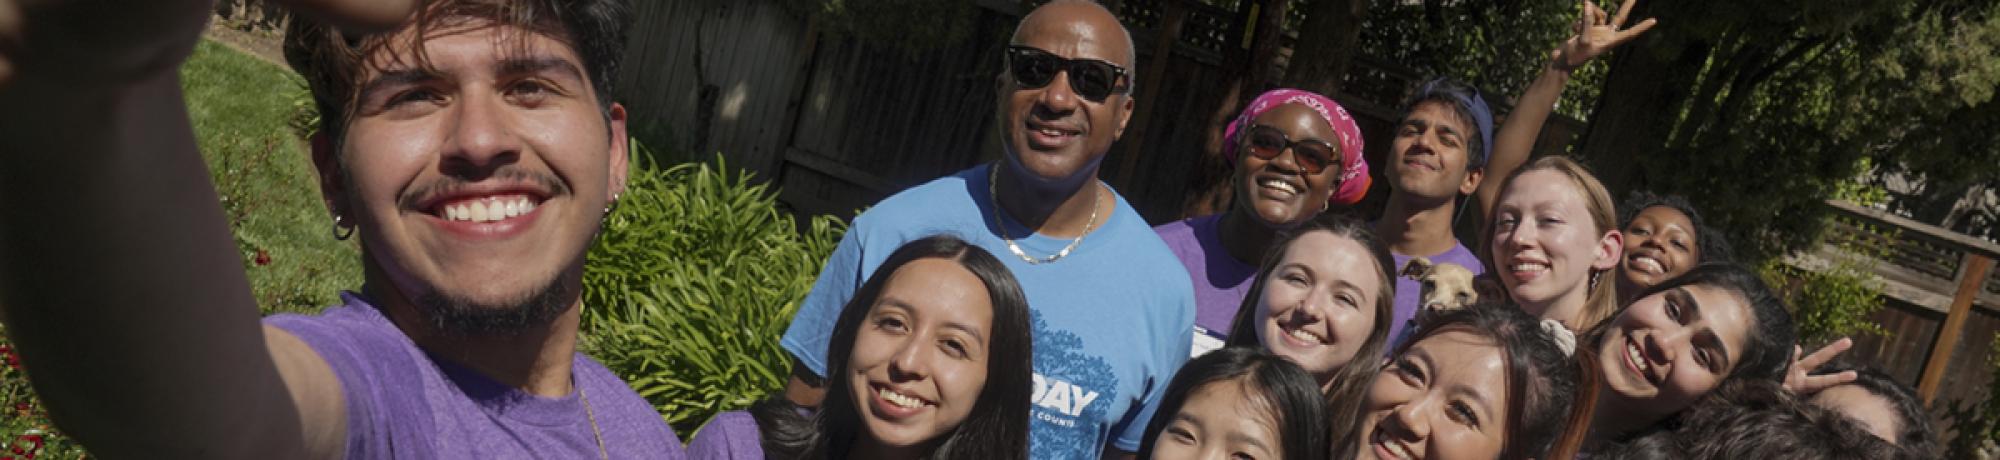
[1515,141]
[805,389]
[121,284]
[1596,34]
[119,280]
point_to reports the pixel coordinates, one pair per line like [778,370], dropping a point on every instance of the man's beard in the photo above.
[462,317]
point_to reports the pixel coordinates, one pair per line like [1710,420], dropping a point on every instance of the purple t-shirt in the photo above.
[403,403]
[1409,292]
[1220,281]
[730,435]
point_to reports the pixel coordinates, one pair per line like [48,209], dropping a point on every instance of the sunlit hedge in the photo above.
[694,279]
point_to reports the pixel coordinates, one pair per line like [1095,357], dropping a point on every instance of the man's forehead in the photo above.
[1074,26]
[466,45]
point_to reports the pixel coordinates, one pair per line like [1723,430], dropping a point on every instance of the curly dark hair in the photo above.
[1714,246]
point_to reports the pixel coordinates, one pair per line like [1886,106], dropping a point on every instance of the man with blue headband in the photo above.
[1438,153]
[1444,148]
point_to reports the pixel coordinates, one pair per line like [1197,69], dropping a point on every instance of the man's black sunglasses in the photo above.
[1091,78]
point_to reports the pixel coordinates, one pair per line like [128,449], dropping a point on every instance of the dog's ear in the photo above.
[1489,289]
[1416,268]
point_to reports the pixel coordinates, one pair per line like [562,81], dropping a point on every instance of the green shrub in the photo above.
[1976,421]
[1837,300]
[695,277]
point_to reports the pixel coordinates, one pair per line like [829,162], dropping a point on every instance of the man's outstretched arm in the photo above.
[119,281]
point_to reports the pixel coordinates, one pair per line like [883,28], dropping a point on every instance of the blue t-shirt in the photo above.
[405,403]
[1112,321]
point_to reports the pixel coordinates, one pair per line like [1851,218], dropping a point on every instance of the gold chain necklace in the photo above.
[993,193]
[592,415]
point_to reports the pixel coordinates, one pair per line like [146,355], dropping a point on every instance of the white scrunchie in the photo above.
[1565,339]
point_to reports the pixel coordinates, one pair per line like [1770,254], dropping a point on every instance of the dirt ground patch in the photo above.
[249,38]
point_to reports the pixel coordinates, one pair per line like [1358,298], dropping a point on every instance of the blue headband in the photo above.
[1467,100]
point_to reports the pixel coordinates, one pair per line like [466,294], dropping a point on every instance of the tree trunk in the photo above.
[1327,43]
[1643,95]
[1268,36]
[1169,33]
[1252,71]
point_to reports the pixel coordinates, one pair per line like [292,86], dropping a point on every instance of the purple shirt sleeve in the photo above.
[730,435]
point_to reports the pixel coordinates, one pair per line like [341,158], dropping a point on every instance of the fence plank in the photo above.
[1972,274]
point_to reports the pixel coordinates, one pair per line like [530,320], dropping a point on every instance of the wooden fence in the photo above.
[1941,298]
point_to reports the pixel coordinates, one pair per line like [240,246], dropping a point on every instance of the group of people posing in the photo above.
[1601,329]
[1016,309]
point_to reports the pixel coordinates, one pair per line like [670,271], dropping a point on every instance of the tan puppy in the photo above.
[1447,286]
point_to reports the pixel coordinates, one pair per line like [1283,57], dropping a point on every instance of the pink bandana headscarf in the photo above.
[1353,178]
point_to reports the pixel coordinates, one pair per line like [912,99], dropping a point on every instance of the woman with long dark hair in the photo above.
[1238,402]
[1482,382]
[1676,343]
[932,359]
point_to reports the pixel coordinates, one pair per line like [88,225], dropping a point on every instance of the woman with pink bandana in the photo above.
[1296,154]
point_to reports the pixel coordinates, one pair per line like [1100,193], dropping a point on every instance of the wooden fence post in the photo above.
[1169,33]
[1972,269]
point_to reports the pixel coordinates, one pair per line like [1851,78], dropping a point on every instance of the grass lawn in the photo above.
[244,111]
[247,113]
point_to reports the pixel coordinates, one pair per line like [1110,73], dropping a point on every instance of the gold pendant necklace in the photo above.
[992,193]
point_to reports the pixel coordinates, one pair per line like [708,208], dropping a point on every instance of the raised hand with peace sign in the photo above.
[1595,34]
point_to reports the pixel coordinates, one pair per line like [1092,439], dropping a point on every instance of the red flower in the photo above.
[263,258]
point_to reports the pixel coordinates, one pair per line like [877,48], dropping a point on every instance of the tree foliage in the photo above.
[1758,110]
[1498,46]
